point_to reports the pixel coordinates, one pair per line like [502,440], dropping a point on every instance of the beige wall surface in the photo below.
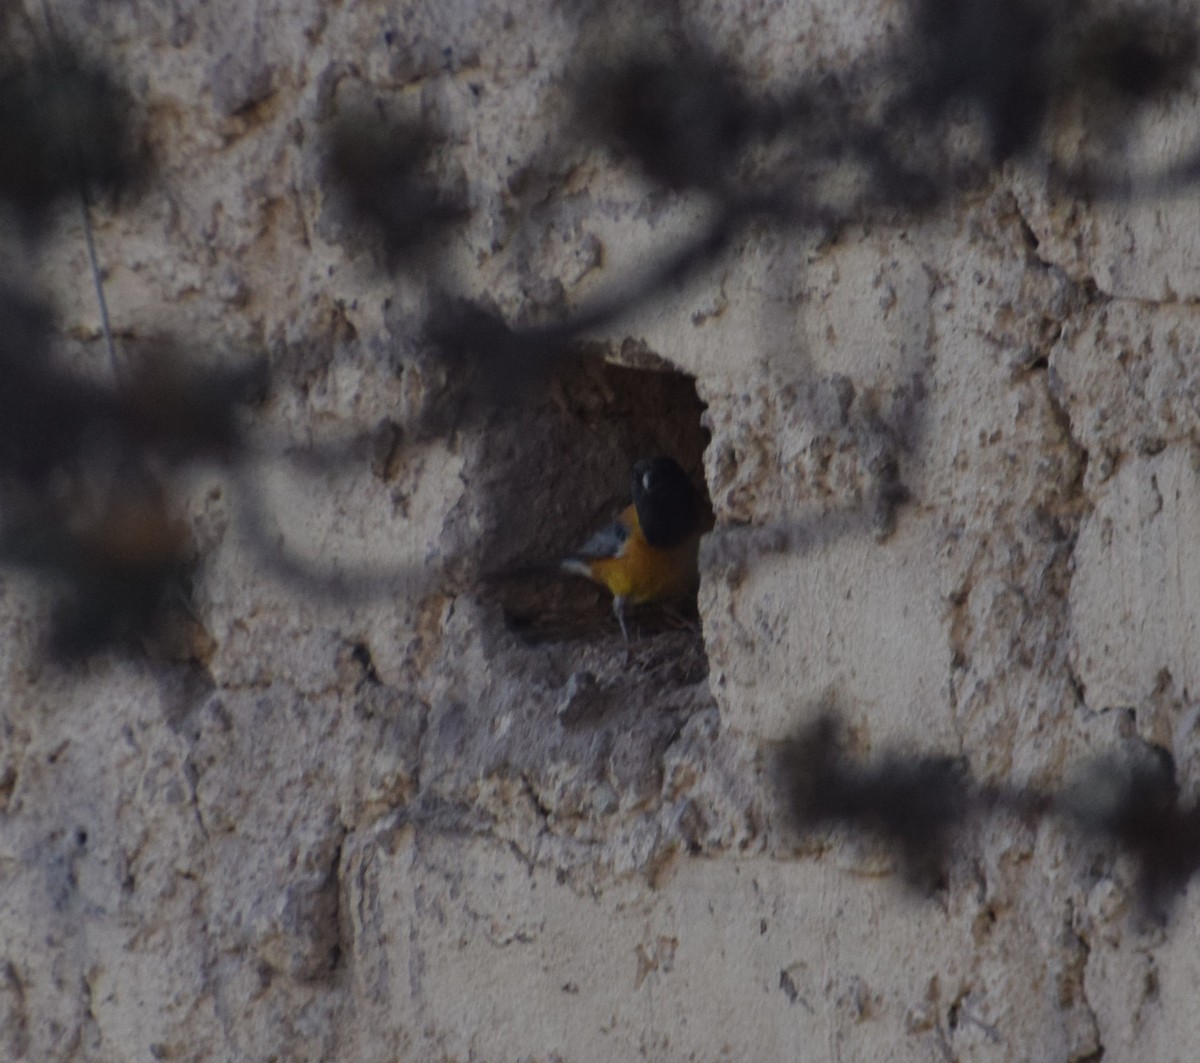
[367,815]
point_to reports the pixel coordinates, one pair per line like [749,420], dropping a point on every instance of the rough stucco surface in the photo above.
[385,827]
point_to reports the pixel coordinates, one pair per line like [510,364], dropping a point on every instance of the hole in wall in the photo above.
[543,699]
[561,468]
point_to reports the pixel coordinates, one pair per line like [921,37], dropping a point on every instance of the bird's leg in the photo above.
[680,619]
[619,613]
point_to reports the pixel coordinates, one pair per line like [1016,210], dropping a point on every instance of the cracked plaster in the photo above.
[297,850]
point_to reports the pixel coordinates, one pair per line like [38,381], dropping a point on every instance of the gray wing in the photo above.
[607,542]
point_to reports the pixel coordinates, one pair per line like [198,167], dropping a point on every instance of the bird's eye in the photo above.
[647,480]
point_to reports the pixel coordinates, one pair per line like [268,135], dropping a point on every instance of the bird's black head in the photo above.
[667,506]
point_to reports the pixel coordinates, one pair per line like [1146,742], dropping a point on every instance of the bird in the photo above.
[650,551]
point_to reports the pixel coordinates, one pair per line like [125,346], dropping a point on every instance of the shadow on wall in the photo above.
[87,468]
[968,85]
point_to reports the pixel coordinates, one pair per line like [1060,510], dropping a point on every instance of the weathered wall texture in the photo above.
[384,827]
